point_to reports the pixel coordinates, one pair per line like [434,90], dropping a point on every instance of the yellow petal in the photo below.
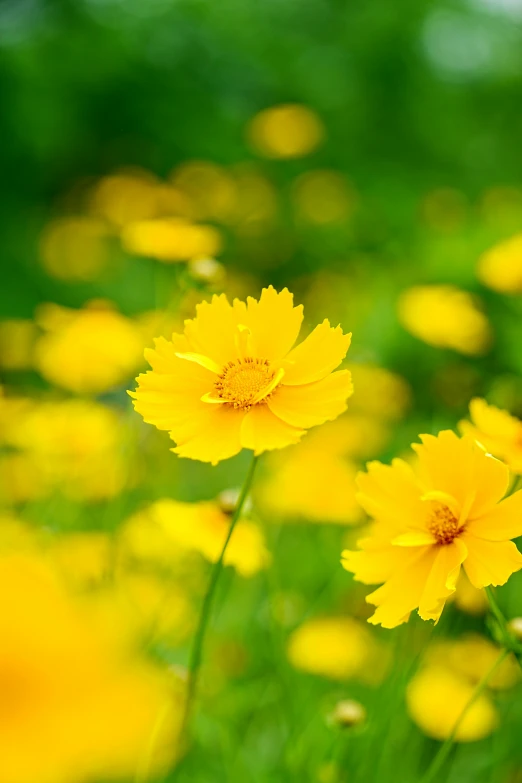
[211,435]
[415,538]
[503,522]
[490,562]
[375,562]
[447,464]
[317,356]
[402,593]
[262,431]
[200,359]
[274,323]
[442,579]
[314,403]
[213,332]
[391,494]
[492,481]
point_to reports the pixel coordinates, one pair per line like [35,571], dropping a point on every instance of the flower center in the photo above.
[443,523]
[246,382]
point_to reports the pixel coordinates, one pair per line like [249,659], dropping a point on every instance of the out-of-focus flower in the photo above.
[135,195]
[471,657]
[16,535]
[497,430]
[469,599]
[323,197]
[89,350]
[286,131]
[436,698]
[315,479]
[203,527]
[430,520]
[171,240]
[74,446]
[206,270]
[17,338]
[446,317]
[75,248]
[83,558]
[78,703]
[21,479]
[500,267]
[211,189]
[339,648]
[233,380]
[379,392]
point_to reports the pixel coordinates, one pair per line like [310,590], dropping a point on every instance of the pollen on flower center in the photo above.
[443,524]
[246,382]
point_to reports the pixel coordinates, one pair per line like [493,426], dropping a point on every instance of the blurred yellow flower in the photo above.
[500,267]
[436,697]
[84,559]
[323,197]
[379,392]
[171,239]
[339,648]
[446,317]
[315,479]
[497,430]
[75,248]
[203,527]
[17,338]
[211,190]
[77,704]
[469,599]
[431,519]
[21,479]
[286,131]
[472,656]
[74,446]
[233,380]
[87,351]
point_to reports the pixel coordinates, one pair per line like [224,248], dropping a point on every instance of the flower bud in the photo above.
[227,501]
[515,626]
[206,270]
[347,714]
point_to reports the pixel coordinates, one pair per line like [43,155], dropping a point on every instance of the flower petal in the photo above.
[490,562]
[262,431]
[442,579]
[391,494]
[503,522]
[274,323]
[314,403]
[214,330]
[317,356]
[213,434]
[375,561]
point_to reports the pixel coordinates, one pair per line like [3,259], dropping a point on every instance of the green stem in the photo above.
[446,747]
[507,638]
[196,655]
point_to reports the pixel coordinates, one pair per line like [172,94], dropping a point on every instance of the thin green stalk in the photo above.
[446,747]
[507,639]
[206,608]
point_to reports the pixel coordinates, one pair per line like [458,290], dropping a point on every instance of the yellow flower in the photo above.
[87,351]
[233,380]
[203,527]
[379,393]
[338,648]
[436,698]
[315,479]
[78,703]
[472,657]
[500,267]
[17,338]
[498,431]
[469,599]
[171,239]
[430,520]
[75,248]
[445,317]
[286,131]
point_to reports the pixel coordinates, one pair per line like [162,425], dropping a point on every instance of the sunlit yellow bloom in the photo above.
[75,248]
[286,131]
[233,380]
[315,479]
[77,702]
[203,527]
[445,317]
[75,446]
[17,338]
[436,698]
[472,657]
[88,350]
[497,430]
[323,197]
[431,519]
[171,239]
[339,648]
[500,267]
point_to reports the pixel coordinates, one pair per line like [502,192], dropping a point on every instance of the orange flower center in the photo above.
[246,382]
[443,523]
